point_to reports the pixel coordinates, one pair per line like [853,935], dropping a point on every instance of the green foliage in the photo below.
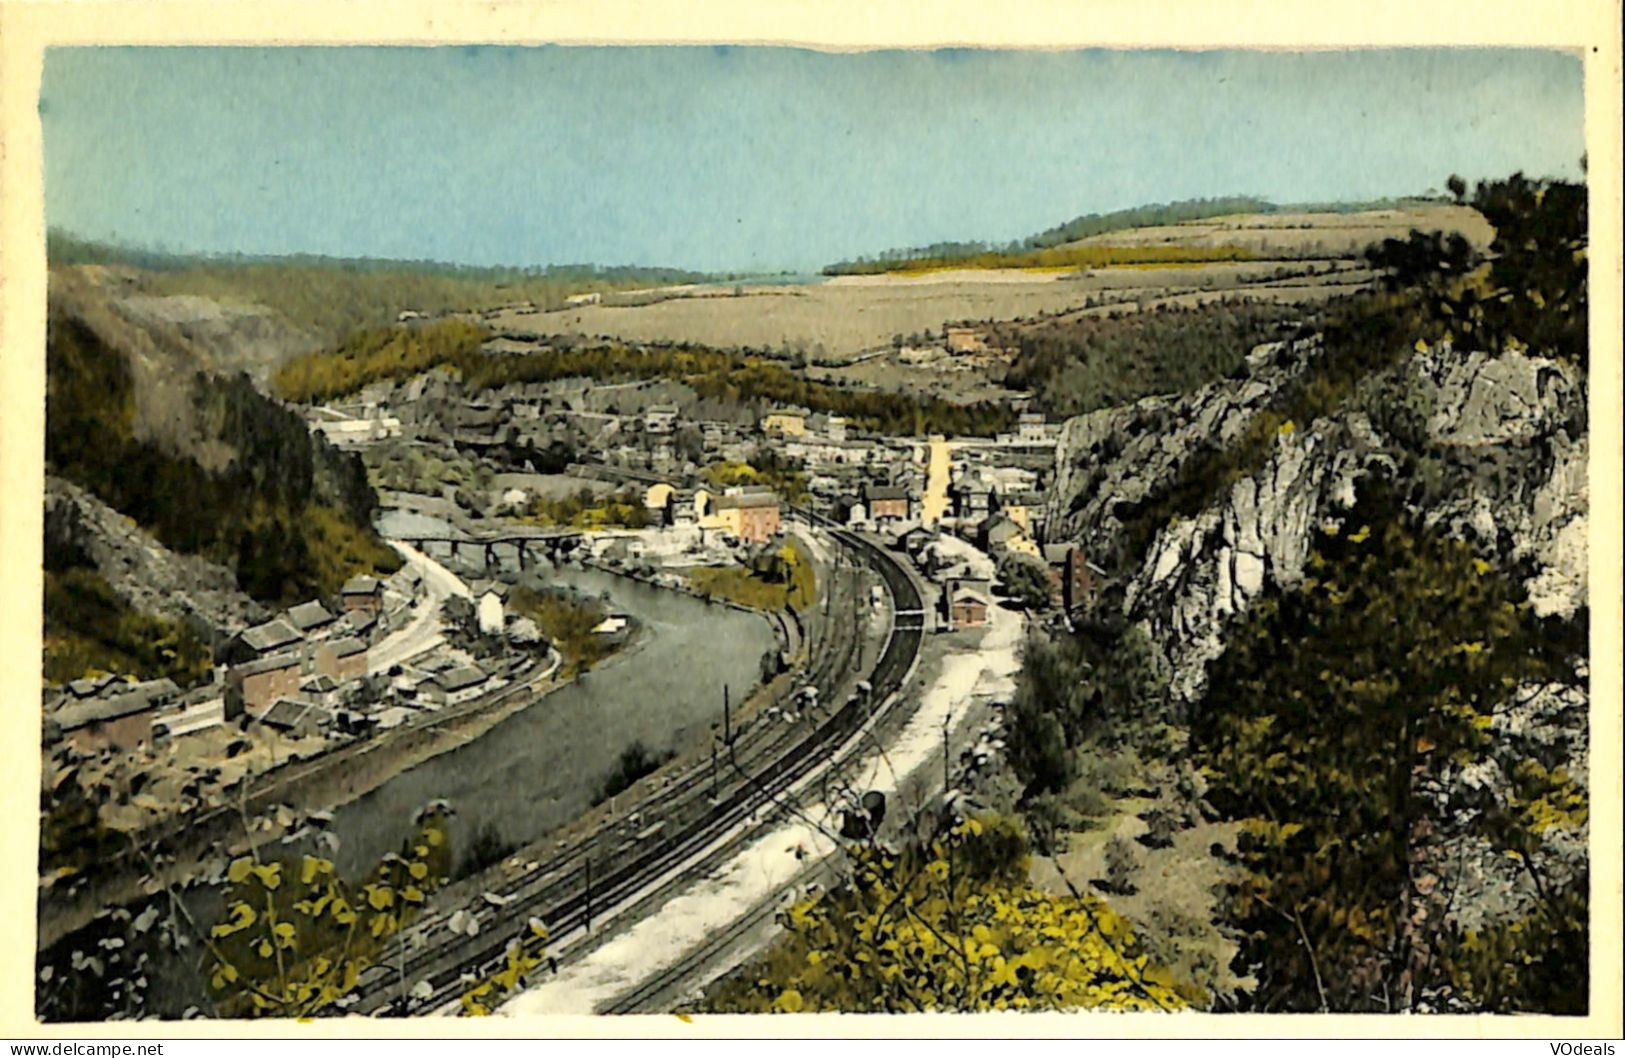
[89,629]
[487,849]
[635,761]
[949,925]
[294,936]
[584,510]
[73,835]
[388,353]
[1331,710]
[567,621]
[289,515]
[1076,688]
[1083,363]
[1535,292]
[1534,962]
[767,468]
[1421,259]
[1026,580]
[1122,862]
[776,579]
[525,955]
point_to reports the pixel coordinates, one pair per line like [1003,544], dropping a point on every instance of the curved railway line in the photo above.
[676,828]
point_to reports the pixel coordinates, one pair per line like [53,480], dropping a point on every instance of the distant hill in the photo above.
[1028,252]
[327,298]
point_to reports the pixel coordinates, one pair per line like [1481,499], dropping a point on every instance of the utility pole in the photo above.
[588,925]
[727,717]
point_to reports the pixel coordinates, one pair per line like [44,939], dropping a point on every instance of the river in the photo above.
[539,768]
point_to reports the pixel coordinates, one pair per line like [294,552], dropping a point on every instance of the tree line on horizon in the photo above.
[1021,252]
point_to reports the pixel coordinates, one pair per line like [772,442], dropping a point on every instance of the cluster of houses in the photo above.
[964,593]
[308,643]
[303,673]
[107,713]
[437,681]
[876,505]
[970,341]
[289,672]
[750,514]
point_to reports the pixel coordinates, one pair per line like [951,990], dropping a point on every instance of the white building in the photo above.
[489,604]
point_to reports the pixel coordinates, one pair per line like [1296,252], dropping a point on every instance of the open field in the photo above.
[1305,234]
[837,321]
[1302,257]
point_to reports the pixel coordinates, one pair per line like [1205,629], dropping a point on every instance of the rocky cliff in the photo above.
[147,576]
[1493,448]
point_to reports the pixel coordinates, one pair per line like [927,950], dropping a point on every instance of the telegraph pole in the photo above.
[588,925]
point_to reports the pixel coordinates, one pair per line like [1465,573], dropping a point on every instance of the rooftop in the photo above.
[309,615]
[269,663]
[89,685]
[286,712]
[271,635]
[134,698]
[464,677]
[748,499]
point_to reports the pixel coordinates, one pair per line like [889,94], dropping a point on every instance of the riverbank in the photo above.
[322,783]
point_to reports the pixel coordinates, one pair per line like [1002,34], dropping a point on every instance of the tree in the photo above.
[1353,704]
[294,937]
[1457,187]
[1027,581]
[950,925]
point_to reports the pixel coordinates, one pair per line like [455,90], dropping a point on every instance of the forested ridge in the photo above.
[1077,228]
[1079,365]
[287,513]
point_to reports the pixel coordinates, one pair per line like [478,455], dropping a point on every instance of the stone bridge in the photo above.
[525,544]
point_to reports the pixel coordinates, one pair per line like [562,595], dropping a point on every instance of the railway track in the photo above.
[670,832]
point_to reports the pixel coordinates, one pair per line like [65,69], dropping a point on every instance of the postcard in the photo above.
[538,524]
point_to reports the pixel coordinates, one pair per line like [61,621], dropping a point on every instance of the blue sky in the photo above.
[737,158]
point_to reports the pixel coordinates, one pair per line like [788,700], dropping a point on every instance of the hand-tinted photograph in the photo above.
[684,529]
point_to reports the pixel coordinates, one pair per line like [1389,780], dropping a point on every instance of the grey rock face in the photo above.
[1110,460]
[1504,437]
[1203,572]
[1515,425]
[145,574]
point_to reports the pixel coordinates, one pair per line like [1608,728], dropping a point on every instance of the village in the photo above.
[643,480]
